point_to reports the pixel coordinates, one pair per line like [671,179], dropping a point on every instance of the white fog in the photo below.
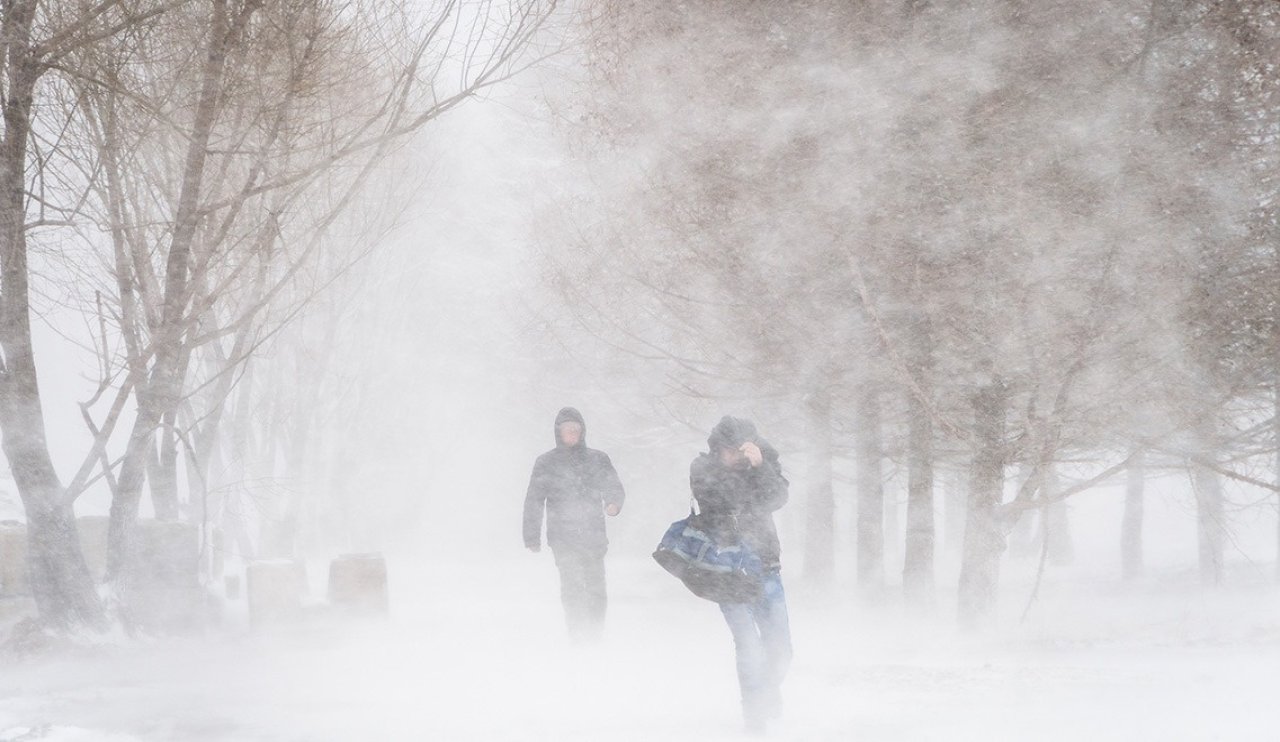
[971,305]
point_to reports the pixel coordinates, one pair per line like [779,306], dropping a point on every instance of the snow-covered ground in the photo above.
[477,652]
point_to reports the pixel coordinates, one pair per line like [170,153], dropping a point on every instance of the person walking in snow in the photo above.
[576,487]
[738,485]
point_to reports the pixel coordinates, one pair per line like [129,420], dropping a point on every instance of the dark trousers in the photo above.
[582,591]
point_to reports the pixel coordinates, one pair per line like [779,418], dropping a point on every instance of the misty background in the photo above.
[997,279]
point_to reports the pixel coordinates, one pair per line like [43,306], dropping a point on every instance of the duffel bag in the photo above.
[721,573]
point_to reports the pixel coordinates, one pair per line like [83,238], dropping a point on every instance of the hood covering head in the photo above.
[731,432]
[570,415]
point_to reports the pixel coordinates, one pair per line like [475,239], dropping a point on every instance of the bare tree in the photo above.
[215,143]
[36,38]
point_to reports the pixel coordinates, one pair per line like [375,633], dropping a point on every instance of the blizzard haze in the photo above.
[996,281]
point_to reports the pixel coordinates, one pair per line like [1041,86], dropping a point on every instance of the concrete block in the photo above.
[358,583]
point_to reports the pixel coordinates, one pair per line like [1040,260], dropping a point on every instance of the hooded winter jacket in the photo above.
[739,503]
[573,484]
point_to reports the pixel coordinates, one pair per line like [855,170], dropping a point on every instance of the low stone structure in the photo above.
[162,590]
[13,552]
[358,583]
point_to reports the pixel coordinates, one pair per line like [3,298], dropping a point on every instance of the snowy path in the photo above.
[480,655]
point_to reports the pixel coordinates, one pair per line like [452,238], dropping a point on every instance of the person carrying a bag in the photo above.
[738,484]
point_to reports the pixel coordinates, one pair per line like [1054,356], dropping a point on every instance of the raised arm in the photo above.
[772,489]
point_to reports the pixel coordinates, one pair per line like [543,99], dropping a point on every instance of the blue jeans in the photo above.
[762,642]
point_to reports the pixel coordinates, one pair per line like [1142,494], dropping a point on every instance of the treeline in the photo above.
[1033,243]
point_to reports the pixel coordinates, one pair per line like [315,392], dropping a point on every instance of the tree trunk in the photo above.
[198,460]
[239,446]
[893,531]
[1210,515]
[1131,527]
[164,475]
[279,533]
[1024,539]
[59,578]
[819,545]
[1275,426]
[128,496]
[162,392]
[1056,523]
[955,496]
[868,449]
[984,537]
[917,566]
